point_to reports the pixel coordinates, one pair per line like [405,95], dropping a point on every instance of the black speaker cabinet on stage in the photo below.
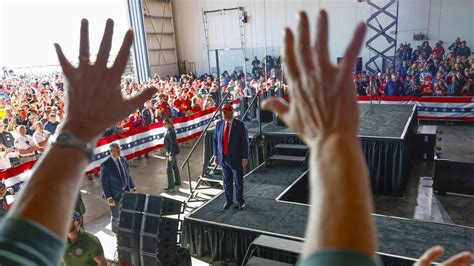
[145,236]
[425,142]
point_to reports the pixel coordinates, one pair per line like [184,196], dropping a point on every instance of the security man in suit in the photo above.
[172,149]
[231,151]
[148,114]
[116,180]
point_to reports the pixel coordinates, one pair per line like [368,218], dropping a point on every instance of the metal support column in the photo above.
[140,50]
[382,34]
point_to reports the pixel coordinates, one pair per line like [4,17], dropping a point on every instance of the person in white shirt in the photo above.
[41,136]
[25,145]
[5,157]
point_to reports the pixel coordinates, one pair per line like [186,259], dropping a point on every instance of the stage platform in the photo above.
[386,133]
[376,121]
[454,168]
[270,193]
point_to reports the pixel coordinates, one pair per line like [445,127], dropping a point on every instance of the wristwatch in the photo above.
[67,139]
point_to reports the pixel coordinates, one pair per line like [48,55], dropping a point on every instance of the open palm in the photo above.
[322,96]
[93,98]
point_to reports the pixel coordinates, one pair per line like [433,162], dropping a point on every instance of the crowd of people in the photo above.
[328,123]
[425,71]
[36,104]
[269,67]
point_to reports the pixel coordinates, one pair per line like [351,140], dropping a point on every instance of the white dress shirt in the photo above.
[24,143]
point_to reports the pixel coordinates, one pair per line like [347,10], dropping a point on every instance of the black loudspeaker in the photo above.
[172,207]
[152,224]
[152,260]
[442,171]
[131,221]
[145,235]
[133,201]
[425,142]
[163,206]
[159,237]
[168,235]
[128,240]
[128,256]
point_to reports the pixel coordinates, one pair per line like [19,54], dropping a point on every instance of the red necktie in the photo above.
[225,145]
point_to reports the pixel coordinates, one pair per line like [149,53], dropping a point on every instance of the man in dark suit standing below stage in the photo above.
[116,180]
[231,151]
[148,114]
[172,149]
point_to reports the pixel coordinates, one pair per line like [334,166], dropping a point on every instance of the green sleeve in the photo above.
[22,242]
[96,247]
[338,257]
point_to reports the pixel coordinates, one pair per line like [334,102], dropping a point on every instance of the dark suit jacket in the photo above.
[147,116]
[171,142]
[238,142]
[112,183]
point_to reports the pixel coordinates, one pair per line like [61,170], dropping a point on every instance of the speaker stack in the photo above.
[149,230]
[425,142]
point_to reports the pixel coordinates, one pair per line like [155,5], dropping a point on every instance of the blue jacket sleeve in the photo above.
[245,141]
[105,180]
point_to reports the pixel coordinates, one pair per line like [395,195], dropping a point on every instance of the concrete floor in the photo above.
[149,174]
[457,143]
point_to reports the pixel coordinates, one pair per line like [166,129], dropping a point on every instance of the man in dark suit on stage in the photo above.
[116,180]
[231,151]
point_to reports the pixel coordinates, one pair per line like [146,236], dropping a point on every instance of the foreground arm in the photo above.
[324,112]
[94,103]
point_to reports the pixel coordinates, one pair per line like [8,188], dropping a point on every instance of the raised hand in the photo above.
[93,98]
[322,96]
[434,253]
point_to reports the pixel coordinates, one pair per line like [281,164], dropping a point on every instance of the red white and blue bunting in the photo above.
[134,142]
[432,108]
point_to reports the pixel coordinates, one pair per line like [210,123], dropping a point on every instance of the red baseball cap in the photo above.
[227,107]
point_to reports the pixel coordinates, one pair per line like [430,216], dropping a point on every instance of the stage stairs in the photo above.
[211,178]
[295,153]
